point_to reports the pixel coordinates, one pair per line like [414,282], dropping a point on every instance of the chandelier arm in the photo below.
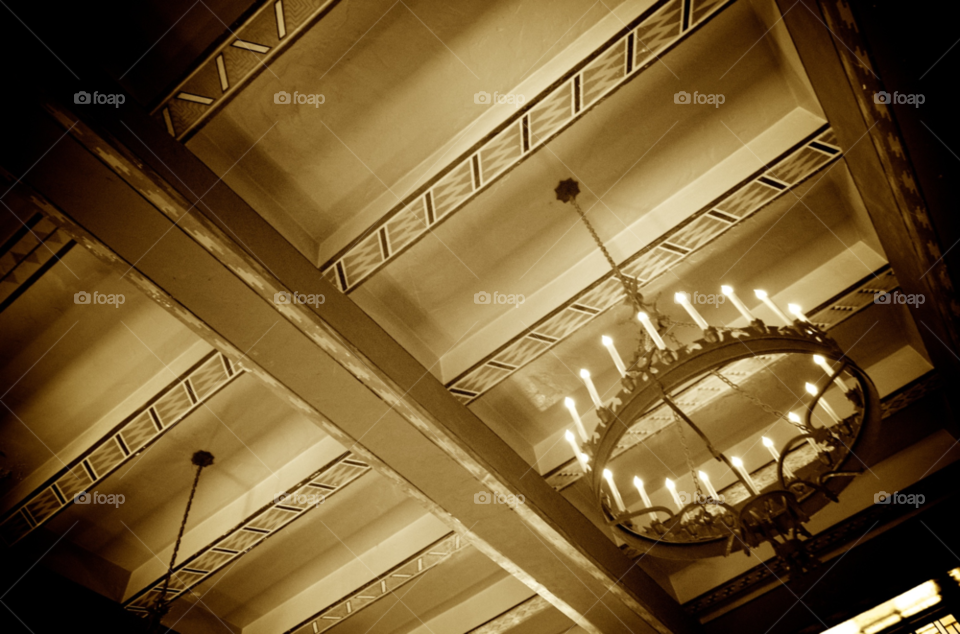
[619,519]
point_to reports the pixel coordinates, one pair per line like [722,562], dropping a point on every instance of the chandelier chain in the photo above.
[753,399]
[630,287]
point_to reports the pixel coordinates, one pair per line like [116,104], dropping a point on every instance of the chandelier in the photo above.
[825,446]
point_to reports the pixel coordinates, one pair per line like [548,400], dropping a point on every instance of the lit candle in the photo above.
[812,390]
[608,476]
[572,408]
[673,491]
[637,482]
[796,312]
[822,362]
[612,349]
[747,480]
[576,450]
[645,320]
[584,461]
[684,300]
[729,294]
[763,297]
[706,482]
[776,454]
[794,418]
[585,375]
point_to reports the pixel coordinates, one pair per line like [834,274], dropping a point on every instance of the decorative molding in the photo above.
[616,62]
[667,251]
[29,253]
[138,431]
[252,532]
[243,55]
[409,569]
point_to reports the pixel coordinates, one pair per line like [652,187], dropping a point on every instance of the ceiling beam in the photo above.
[837,62]
[220,265]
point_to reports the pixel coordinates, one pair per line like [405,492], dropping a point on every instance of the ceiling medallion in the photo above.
[831,440]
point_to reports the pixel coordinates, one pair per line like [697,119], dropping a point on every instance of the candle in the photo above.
[612,349]
[645,320]
[728,292]
[796,312]
[822,362]
[776,454]
[706,482]
[747,480]
[684,300]
[763,297]
[585,375]
[795,419]
[637,482]
[812,390]
[576,450]
[673,492]
[572,408]
[608,476]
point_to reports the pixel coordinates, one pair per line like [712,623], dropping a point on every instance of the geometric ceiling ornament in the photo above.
[650,263]
[235,62]
[622,58]
[141,429]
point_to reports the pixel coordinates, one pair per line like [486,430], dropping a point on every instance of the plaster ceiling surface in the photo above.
[348,528]
[250,432]
[69,365]
[398,81]
[630,154]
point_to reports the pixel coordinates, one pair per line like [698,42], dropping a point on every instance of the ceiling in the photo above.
[403,202]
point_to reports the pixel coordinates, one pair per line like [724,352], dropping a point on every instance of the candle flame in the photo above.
[811,389]
[670,484]
[607,341]
[795,309]
[569,402]
[637,482]
[584,374]
[726,290]
[819,360]
[760,294]
[569,436]
[737,462]
[608,475]
[766,442]
[680,297]
[703,476]
[793,417]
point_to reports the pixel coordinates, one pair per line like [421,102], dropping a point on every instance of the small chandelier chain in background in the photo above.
[756,401]
[686,455]
[630,287]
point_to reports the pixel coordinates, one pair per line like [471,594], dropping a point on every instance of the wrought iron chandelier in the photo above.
[770,503]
